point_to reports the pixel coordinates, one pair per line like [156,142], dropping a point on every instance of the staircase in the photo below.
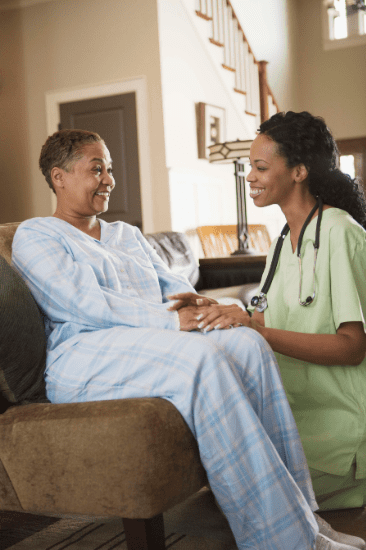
[248,76]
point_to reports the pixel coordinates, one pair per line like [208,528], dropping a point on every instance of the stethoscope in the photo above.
[260,302]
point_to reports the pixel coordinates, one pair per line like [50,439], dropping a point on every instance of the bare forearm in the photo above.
[320,349]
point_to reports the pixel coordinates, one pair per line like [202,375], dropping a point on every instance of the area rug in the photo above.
[196,524]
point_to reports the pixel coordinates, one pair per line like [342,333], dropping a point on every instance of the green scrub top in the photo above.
[328,403]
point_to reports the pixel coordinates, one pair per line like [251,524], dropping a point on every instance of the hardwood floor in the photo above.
[351,521]
[15,526]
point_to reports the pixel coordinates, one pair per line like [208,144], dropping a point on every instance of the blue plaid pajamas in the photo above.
[111,337]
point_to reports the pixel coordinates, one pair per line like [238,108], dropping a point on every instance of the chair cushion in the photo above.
[131,458]
[22,342]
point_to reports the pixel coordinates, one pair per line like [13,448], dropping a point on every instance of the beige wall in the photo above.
[331,83]
[62,45]
[16,199]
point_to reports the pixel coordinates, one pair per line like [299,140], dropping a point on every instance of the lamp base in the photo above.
[246,251]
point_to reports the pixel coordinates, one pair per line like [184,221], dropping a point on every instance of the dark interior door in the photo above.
[114,119]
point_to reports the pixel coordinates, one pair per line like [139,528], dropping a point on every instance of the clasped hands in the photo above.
[201,313]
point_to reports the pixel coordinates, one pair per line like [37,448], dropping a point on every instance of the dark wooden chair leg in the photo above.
[145,534]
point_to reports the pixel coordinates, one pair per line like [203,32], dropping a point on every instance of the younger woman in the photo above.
[313,314]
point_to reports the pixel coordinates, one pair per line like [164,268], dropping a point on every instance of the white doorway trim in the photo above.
[137,85]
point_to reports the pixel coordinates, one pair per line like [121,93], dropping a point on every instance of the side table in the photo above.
[225,271]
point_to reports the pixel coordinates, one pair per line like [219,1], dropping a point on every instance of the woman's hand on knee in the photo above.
[188,318]
[222,317]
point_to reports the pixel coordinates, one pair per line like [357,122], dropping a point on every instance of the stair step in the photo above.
[216,43]
[228,68]
[204,16]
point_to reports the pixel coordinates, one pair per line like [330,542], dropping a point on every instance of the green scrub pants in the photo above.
[337,492]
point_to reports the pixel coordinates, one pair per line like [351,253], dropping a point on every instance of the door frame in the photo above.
[355,146]
[137,85]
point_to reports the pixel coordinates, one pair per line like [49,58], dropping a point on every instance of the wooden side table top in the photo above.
[239,260]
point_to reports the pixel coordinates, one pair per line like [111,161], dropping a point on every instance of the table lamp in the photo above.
[234,151]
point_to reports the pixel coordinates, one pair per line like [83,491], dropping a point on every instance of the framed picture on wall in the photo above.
[211,127]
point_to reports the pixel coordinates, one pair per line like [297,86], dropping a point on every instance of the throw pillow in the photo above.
[174,249]
[22,342]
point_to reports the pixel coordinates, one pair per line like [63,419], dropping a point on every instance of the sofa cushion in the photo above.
[244,293]
[22,342]
[174,249]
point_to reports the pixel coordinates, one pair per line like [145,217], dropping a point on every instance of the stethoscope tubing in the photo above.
[260,302]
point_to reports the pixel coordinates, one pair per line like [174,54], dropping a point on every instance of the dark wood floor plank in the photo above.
[17,526]
[351,521]
[145,534]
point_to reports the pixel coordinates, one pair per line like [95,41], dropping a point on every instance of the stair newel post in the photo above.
[263,90]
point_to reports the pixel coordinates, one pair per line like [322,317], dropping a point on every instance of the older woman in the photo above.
[312,310]
[112,333]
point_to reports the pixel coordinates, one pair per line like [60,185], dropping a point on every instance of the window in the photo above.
[344,25]
[347,165]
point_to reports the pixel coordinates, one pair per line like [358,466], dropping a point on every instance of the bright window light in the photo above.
[347,165]
[346,29]
[340,22]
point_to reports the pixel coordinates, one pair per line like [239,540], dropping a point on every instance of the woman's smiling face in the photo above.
[89,183]
[270,179]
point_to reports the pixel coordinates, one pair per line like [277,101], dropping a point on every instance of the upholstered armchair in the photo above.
[132,458]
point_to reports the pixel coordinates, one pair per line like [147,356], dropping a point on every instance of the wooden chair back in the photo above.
[222,240]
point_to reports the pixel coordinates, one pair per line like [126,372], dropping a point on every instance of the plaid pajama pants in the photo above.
[227,386]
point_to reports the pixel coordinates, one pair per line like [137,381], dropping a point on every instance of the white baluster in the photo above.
[220,17]
[244,61]
[272,109]
[215,21]
[226,34]
[252,84]
[249,108]
[237,65]
[256,96]
[231,36]
[209,8]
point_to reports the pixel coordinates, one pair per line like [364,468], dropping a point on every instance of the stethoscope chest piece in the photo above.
[260,302]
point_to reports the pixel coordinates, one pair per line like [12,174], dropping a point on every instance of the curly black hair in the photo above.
[302,138]
[63,149]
